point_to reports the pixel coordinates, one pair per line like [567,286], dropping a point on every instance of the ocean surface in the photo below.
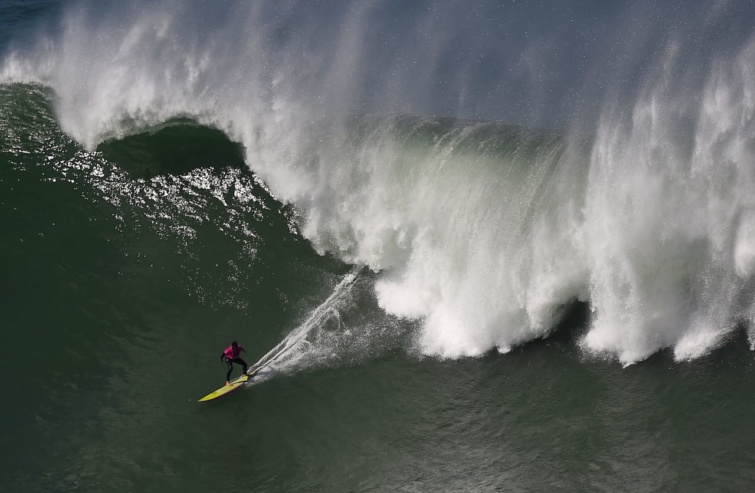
[471,246]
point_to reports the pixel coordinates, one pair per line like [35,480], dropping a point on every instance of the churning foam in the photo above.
[669,216]
[483,232]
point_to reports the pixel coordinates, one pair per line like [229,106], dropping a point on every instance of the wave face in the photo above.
[641,204]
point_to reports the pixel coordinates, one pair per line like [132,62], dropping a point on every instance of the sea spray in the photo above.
[461,219]
[294,346]
[481,231]
[668,217]
[344,329]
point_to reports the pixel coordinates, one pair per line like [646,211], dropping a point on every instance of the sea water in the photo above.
[475,247]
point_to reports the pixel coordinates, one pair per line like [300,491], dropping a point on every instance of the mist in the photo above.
[493,161]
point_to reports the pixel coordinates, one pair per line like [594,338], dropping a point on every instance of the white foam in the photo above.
[483,241]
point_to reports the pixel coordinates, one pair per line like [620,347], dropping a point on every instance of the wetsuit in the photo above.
[231,356]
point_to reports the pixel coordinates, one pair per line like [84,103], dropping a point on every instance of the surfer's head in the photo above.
[234,344]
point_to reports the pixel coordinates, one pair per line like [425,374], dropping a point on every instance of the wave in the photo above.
[482,231]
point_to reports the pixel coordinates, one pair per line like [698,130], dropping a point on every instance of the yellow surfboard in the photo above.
[226,389]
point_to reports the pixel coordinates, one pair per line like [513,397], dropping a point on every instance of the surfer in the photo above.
[231,355]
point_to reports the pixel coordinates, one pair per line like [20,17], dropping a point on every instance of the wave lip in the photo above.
[481,231]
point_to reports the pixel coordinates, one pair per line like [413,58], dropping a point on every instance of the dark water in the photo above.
[432,298]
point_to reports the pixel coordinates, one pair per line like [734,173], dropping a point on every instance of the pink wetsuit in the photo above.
[231,354]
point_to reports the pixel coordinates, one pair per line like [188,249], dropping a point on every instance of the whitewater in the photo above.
[486,197]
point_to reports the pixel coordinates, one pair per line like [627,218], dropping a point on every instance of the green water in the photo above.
[122,282]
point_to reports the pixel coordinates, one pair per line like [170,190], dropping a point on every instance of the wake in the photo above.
[295,347]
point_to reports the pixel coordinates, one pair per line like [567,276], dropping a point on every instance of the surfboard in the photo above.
[226,389]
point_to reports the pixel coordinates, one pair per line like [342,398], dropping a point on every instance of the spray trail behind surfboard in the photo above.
[295,346]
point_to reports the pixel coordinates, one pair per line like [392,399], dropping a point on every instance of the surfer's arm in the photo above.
[222,356]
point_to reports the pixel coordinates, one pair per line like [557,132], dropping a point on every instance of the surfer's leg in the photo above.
[230,369]
[240,361]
